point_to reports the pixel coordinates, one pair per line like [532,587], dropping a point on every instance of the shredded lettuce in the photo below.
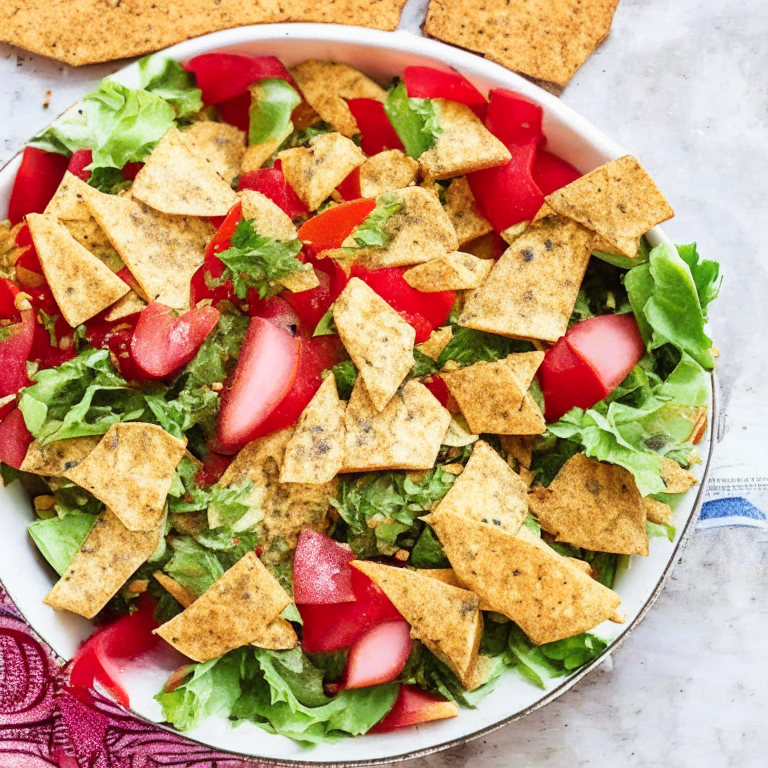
[166,78]
[271,107]
[469,346]
[416,121]
[371,232]
[346,376]
[59,538]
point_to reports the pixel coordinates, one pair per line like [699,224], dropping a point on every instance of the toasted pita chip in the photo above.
[547,41]
[593,505]
[67,202]
[445,618]
[257,154]
[524,365]
[315,452]
[108,557]
[327,85]
[362,13]
[315,171]
[377,338]
[58,457]
[463,145]
[455,271]
[129,305]
[93,238]
[488,490]
[519,448]
[81,284]
[448,576]
[162,252]
[131,471]
[676,479]
[304,279]
[176,182]
[220,146]
[268,218]
[438,340]
[656,511]
[532,289]
[386,172]
[548,598]
[228,615]
[463,212]
[618,201]
[407,434]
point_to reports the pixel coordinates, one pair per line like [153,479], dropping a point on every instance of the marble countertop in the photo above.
[681,85]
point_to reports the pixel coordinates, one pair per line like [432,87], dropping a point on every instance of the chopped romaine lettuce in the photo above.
[371,232]
[346,376]
[469,346]
[271,109]
[415,120]
[59,538]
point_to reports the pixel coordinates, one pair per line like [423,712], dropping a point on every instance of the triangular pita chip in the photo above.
[129,305]
[524,365]
[455,271]
[131,471]
[656,511]
[219,145]
[676,479]
[181,594]
[377,338]
[269,219]
[438,340]
[386,172]
[548,598]
[58,457]
[315,452]
[445,618]
[519,448]
[304,279]
[228,615]
[448,576]
[463,212]
[67,202]
[81,284]
[108,557]
[93,238]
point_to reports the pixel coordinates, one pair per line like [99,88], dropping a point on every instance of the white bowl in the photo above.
[27,578]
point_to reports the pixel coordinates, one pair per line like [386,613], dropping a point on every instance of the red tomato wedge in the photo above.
[16,347]
[379,656]
[265,373]
[79,161]
[331,228]
[311,305]
[414,706]
[431,83]
[278,311]
[162,342]
[552,173]
[39,176]
[272,184]
[349,189]
[513,119]
[321,571]
[14,439]
[376,132]
[236,111]
[214,466]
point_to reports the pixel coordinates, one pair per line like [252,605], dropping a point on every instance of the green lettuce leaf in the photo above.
[346,376]
[371,232]
[59,538]
[326,325]
[271,109]
[415,121]
[469,346]
[428,551]
[217,357]
[167,79]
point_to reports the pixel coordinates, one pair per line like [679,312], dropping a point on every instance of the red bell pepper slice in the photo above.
[272,184]
[513,119]
[331,228]
[376,132]
[236,111]
[551,173]
[15,438]
[16,347]
[39,176]
[349,189]
[431,83]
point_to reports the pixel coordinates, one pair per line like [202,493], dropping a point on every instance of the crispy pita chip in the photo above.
[257,154]
[131,471]
[176,182]
[463,212]
[129,305]
[268,218]
[304,280]
[455,271]
[228,615]
[93,238]
[519,448]
[56,458]
[108,557]
[532,289]
[488,490]
[220,146]
[448,576]
[81,284]
[676,479]
[182,595]
[315,452]
[438,340]
[377,338]
[362,13]
[548,598]
[656,511]
[618,201]
[464,144]
[162,252]
[67,202]
[386,172]
[407,434]
[445,618]
[593,505]
[327,85]
[547,41]
[524,365]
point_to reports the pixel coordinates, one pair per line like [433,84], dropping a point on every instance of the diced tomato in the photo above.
[414,706]
[236,111]
[29,271]
[437,386]
[16,347]
[379,656]
[331,228]
[116,337]
[376,132]
[513,119]
[265,373]
[79,161]
[214,466]
[14,439]
[349,189]
[8,294]
[321,571]
[278,311]
[272,184]
[311,305]
[431,83]
[552,173]
[131,170]
[39,176]
[162,342]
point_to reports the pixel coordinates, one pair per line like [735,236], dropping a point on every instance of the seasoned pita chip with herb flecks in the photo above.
[386,172]
[519,448]
[676,479]
[407,434]
[618,201]
[445,618]
[532,289]
[269,219]
[257,154]
[131,471]
[315,452]
[81,284]
[220,146]
[68,203]
[108,557]
[377,338]
[327,86]
[656,511]
[228,615]
[524,365]
[162,252]
[56,458]
[175,181]
[463,212]
[181,594]
[130,304]
[593,505]
[305,279]
[438,340]
[316,170]
[93,238]
[463,145]
[447,576]
[455,271]
[547,597]
[384,14]
[488,490]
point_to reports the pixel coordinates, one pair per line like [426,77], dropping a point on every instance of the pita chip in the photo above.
[656,511]
[463,212]
[93,238]
[131,471]
[304,279]
[386,172]
[81,284]
[220,146]
[455,271]
[532,289]
[58,457]
[438,340]
[228,615]
[547,597]
[524,365]
[377,338]
[676,479]
[181,594]
[67,202]
[444,617]
[407,434]
[268,218]
[447,576]
[315,452]
[108,557]
[129,305]
[519,448]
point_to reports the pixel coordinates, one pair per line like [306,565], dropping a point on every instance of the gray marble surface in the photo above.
[683,86]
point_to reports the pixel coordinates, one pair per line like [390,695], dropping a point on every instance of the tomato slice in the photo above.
[272,184]
[413,706]
[376,132]
[349,189]
[552,173]
[14,439]
[311,305]
[513,119]
[379,656]
[321,571]
[16,347]
[236,111]
[214,466]
[431,83]
[331,228]
[79,161]
[39,176]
